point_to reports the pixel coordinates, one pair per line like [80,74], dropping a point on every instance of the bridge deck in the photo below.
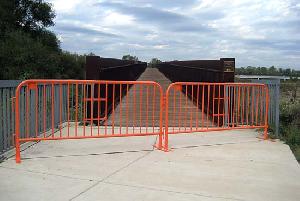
[136,95]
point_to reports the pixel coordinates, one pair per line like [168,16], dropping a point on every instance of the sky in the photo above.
[255,32]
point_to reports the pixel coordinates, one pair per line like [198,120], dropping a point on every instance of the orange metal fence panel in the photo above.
[76,109]
[195,107]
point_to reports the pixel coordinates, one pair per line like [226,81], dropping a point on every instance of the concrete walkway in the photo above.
[227,165]
[138,96]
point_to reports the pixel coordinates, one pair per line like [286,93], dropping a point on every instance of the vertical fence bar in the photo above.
[208,103]
[153,106]
[127,107]
[186,107]
[174,108]
[202,117]
[219,100]
[197,112]
[120,106]
[113,109]
[191,112]
[92,108]
[147,104]
[68,110]
[99,106]
[84,107]
[52,110]
[140,93]
[106,109]
[60,110]
[134,109]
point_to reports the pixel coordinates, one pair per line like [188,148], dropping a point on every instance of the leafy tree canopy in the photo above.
[28,49]
[154,62]
[250,70]
[27,15]
[130,58]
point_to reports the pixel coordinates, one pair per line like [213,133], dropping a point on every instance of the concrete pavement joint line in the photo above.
[170,191]
[115,172]
[82,155]
[116,152]
[217,144]
[49,174]
[131,151]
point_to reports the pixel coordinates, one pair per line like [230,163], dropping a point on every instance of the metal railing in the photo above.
[58,109]
[220,106]
[274,101]
[77,109]
[7,123]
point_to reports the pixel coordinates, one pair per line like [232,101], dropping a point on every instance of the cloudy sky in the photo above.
[255,32]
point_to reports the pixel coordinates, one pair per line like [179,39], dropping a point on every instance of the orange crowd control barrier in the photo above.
[196,107]
[76,109]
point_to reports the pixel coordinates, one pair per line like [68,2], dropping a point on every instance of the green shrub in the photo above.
[290,126]
[296,150]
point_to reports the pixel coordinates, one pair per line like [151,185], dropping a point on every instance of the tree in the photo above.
[28,49]
[71,65]
[272,70]
[91,54]
[26,15]
[33,14]
[266,71]
[287,72]
[22,57]
[128,57]
[153,62]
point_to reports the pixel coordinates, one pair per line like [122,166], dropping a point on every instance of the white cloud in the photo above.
[151,36]
[66,6]
[256,32]
[160,46]
[116,19]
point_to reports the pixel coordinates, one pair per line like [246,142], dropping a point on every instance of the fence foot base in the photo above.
[18,161]
[262,138]
[157,147]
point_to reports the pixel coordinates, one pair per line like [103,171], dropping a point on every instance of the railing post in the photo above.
[159,145]
[277,98]
[166,130]
[164,109]
[17,121]
[266,113]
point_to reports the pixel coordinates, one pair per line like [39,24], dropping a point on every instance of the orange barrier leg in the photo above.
[18,151]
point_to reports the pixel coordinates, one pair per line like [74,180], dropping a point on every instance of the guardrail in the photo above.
[274,101]
[7,123]
[7,112]
[234,106]
[45,110]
